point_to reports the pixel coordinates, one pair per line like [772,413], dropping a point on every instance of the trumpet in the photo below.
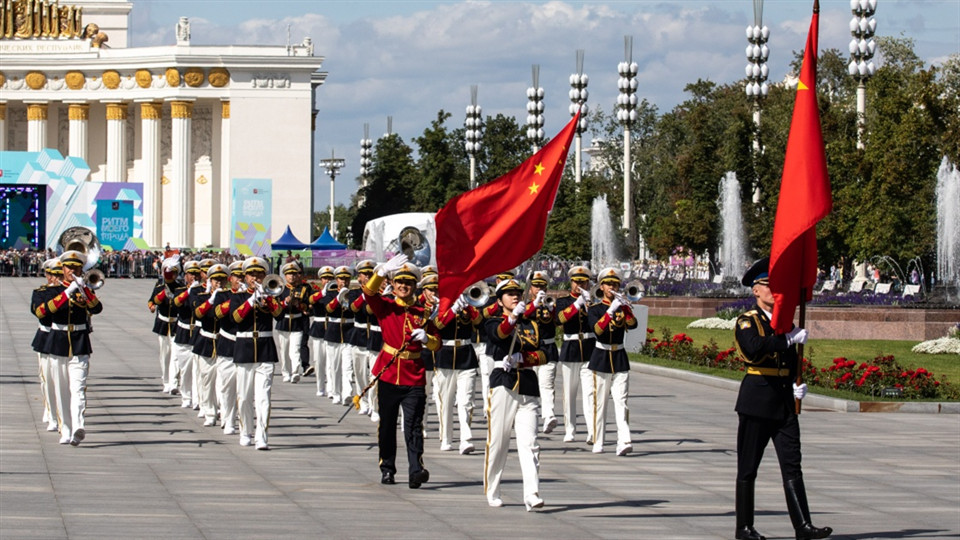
[94,279]
[273,285]
[633,291]
[478,294]
[550,303]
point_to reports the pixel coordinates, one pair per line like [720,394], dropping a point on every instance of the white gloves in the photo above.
[419,334]
[799,392]
[511,361]
[387,290]
[458,305]
[79,281]
[72,288]
[342,296]
[213,299]
[614,306]
[194,284]
[517,311]
[207,288]
[392,265]
[538,301]
[797,336]
[254,298]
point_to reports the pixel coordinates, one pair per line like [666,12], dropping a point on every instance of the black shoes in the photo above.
[418,478]
[387,478]
[800,513]
[747,532]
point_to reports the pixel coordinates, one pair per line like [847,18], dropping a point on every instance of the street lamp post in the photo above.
[757,71]
[535,111]
[862,46]
[366,162]
[626,115]
[474,124]
[332,165]
[578,102]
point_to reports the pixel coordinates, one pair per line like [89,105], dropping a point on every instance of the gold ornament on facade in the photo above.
[193,77]
[111,79]
[144,78]
[75,80]
[219,77]
[225,110]
[35,80]
[78,111]
[116,111]
[3,79]
[164,180]
[151,111]
[36,111]
[202,180]
[181,109]
[173,77]
[27,19]
[3,111]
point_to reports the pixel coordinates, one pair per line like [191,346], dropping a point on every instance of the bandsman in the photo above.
[611,318]
[226,340]
[186,330]
[360,336]
[514,395]
[205,345]
[318,328]
[399,366]
[165,323]
[339,326]
[71,305]
[542,310]
[255,353]
[52,274]
[291,322]
[427,298]
[578,344]
[484,354]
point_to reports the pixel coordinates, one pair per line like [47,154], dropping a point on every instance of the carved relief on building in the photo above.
[270,80]
[3,79]
[56,83]
[218,77]
[202,129]
[36,80]
[173,77]
[25,19]
[75,80]
[144,78]
[193,77]
[111,79]
[63,129]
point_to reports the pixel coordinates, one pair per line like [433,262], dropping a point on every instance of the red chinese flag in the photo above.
[498,225]
[804,197]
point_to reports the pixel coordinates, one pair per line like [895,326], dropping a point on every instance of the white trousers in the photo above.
[617,385]
[486,366]
[546,377]
[207,386]
[227,392]
[288,349]
[570,372]
[70,385]
[48,389]
[254,382]
[459,383]
[348,354]
[511,411]
[362,376]
[334,368]
[168,364]
[184,355]
[589,389]
[318,355]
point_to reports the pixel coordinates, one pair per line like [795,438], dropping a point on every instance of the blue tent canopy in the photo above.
[288,241]
[326,242]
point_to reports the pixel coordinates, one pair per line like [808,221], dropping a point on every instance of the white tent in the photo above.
[381,235]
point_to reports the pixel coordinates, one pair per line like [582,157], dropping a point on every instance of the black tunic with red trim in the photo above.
[227,335]
[499,333]
[254,329]
[40,297]
[186,327]
[457,328]
[294,316]
[205,343]
[610,331]
[70,321]
[575,321]
[165,321]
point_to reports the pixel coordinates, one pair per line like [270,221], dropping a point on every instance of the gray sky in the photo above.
[409,59]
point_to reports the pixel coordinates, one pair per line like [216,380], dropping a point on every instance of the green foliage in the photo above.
[391,184]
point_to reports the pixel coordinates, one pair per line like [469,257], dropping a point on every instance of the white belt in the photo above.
[185,326]
[548,341]
[499,365]
[333,320]
[254,335]
[362,326]
[227,335]
[605,347]
[206,334]
[318,319]
[374,328]
[294,315]
[68,327]
[44,328]
[578,337]
[164,319]
[455,342]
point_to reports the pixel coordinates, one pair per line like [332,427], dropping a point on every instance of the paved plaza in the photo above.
[148,469]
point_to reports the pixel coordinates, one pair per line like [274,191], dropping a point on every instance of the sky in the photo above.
[409,59]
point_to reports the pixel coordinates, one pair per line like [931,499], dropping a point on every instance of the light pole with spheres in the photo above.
[626,115]
[757,71]
[535,111]
[366,160]
[332,165]
[474,124]
[578,102]
[862,46]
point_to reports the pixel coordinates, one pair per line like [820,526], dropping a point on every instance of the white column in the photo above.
[3,125]
[116,142]
[226,185]
[79,117]
[36,126]
[149,174]
[181,113]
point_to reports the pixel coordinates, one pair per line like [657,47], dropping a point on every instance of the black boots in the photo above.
[800,512]
[745,530]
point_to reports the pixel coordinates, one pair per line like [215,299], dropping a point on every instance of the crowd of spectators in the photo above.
[114,264]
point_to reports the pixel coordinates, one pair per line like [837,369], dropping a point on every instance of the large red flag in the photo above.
[498,225]
[804,197]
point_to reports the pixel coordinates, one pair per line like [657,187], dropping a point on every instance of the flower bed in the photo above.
[882,376]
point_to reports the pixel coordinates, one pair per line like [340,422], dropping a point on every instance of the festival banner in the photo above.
[114,223]
[251,216]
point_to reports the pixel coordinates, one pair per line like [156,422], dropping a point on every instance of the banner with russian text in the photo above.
[251,216]
[114,223]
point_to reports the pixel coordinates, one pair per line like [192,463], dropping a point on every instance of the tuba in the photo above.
[478,294]
[414,245]
[633,291]
[85,241]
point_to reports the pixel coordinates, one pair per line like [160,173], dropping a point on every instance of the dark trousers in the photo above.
[413,399]
[754,433]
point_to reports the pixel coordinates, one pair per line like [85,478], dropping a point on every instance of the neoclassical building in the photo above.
[189,122]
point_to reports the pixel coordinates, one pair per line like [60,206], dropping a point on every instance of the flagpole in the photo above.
[803,322]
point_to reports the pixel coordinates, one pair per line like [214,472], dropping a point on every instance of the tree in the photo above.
[392,183]
[441,170]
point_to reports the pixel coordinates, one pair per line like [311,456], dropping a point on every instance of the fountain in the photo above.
[603,250]
[733,242]
[948,229]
